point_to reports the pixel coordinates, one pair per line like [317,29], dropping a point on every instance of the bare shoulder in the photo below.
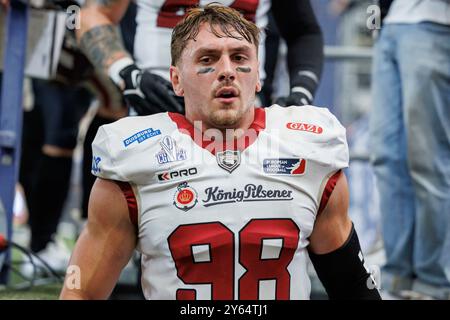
[107,204]
[337,205]
[333,225]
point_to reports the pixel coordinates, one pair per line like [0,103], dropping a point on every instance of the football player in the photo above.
[226,201]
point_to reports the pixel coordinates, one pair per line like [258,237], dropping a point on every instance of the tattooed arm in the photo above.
[98,35]
[144,92]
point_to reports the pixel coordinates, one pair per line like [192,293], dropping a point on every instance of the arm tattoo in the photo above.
[102,45]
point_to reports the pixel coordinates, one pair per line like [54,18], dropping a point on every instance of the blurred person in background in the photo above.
[410,144]
[110,108]
[144,80]
[49,138]
[50,135]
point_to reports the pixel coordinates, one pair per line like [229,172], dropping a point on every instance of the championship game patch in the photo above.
[141,136]
[289,166]
[170,152]
[185,197]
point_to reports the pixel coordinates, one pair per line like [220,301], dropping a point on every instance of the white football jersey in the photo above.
[230,221]
[156,18]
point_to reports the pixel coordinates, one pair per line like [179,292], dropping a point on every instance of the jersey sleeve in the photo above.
[333,155]
[104,158]
[323,136]
[334,151]
[315,135]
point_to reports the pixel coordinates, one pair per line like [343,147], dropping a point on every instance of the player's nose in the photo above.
[226,70]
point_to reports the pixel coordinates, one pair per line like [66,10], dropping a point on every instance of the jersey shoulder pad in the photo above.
[119,148]
[314,130]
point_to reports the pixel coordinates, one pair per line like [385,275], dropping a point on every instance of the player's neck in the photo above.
[238,129]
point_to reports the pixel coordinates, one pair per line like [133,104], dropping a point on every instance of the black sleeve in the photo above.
[384,7]
[128,27]
[271,46]
[343,274]
[298,26]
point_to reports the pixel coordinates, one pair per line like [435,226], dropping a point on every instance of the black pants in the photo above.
[53,121]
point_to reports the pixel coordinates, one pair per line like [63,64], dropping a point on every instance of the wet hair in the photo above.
[224,22]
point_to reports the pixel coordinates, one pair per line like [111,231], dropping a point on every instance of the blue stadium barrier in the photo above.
[11,113]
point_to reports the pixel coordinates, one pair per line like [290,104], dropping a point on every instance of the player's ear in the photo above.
[258,81]
[176,81]
[258,86]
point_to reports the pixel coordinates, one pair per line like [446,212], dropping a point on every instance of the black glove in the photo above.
[294,99]
[148,93]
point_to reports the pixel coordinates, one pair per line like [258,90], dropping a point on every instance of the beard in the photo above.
[226,118]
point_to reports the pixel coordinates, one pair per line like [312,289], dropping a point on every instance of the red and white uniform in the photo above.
[231,223]
[156,18]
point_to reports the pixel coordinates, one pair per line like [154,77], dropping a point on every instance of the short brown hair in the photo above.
[227,19]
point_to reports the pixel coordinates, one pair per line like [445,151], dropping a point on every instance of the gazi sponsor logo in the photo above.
[304,127]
